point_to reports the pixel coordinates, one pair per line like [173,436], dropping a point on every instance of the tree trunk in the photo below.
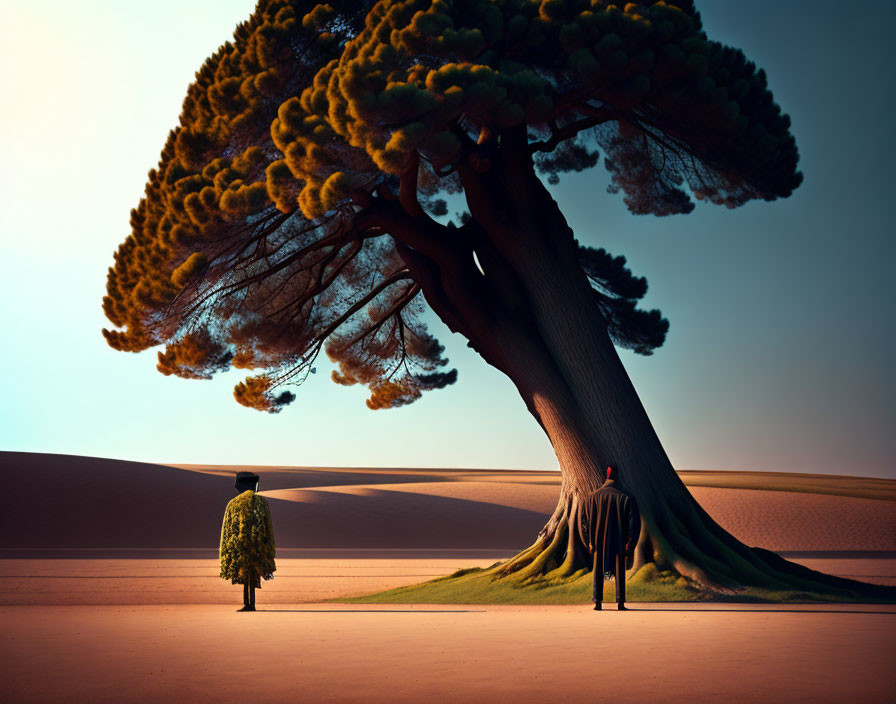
[545,331]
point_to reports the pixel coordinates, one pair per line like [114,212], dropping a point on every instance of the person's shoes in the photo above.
[246,608]
[621,607]
[597,606]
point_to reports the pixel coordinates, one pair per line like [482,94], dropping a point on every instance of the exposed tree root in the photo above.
[729,569]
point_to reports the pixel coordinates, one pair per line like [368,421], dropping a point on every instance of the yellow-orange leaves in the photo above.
[255,392]
[195,356]
[194,263]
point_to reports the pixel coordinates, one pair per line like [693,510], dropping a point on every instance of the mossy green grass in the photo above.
[488,586]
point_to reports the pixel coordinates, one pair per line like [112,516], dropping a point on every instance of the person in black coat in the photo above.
[610,527]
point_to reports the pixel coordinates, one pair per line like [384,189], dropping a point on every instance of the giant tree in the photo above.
[300,206]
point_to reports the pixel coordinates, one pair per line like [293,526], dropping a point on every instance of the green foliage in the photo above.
[618,292]
[247,540]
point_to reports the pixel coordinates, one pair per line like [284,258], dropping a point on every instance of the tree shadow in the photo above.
[765,611]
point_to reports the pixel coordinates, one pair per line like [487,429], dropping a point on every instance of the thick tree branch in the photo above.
[419,232]
[571,129]
[427,273]
[407,190]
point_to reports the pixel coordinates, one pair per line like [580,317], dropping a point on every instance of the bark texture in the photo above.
[513,285]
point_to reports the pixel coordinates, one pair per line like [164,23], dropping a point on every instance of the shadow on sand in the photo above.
[371,611]
[766,611]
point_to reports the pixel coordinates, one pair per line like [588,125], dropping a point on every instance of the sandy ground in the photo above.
[141,615]
[326,653]
[297,581]
[149,581]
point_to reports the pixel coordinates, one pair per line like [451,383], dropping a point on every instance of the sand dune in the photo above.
[274,478]
[98,504]
[84,502]
[786,521]
[381,517]
[540,498]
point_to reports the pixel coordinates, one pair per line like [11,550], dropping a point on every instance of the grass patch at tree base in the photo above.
[488,586]
[648,584]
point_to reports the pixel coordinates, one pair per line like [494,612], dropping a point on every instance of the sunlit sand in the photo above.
[93,605]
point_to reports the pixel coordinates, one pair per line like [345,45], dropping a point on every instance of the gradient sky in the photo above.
[779,353]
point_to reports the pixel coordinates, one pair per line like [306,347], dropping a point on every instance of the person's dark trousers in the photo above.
[597,591]
[248,595]
[620,578]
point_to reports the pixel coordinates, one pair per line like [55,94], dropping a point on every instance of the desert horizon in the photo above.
[457,517]
[72,590]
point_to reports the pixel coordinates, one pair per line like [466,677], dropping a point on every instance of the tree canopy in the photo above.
[301,203]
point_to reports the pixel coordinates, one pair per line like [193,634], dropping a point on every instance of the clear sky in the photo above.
[779,356]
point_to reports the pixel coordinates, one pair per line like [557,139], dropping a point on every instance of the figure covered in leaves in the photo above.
[247,539]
